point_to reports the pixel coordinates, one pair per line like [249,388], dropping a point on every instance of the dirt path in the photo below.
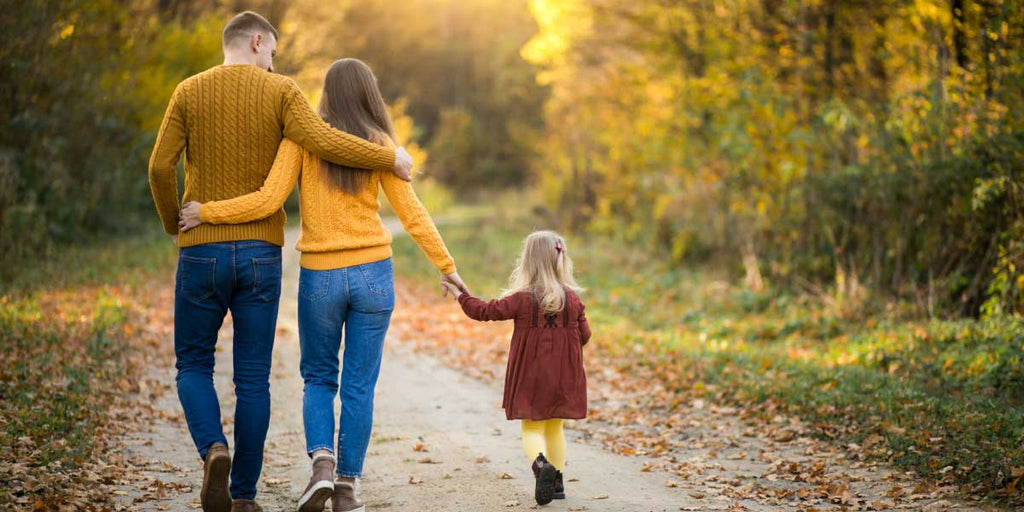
[441,443]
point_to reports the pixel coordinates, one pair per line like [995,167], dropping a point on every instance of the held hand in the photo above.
[403,164]
[189,217]
[448,288]
[455,280]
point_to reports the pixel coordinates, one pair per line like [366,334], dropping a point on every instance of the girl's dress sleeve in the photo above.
[584,326]
[498,309]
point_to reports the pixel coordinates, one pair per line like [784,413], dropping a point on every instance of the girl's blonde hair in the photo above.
[545,270]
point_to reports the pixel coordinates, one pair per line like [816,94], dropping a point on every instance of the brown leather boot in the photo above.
[344,499]
[246,506]
[215,496]
[321,485]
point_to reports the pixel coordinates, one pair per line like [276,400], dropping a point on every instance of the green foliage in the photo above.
[862,150]
[86,83]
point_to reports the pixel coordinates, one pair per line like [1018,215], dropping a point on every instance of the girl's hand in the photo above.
[189,217]
[449,288]
[456,280]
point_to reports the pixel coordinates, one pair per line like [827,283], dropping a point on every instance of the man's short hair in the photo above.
[244,25]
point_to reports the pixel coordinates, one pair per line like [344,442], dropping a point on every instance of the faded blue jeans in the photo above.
[358,301]
[244,278]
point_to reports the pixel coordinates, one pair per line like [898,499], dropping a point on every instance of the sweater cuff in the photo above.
[447,268]
[387,162]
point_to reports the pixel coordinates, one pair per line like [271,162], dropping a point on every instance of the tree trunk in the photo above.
[988,48]
[829,64]
[959,38]
[879,75]
[753,278]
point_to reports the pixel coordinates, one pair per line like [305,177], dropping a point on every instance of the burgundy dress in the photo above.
[545,377]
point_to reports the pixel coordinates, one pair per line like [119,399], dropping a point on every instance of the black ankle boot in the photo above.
[559,486]
[546,475]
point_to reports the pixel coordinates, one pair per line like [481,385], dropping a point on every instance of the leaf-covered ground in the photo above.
[439,442]
[78,331]
[938,402]
[737,398]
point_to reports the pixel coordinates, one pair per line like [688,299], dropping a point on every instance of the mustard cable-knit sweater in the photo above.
[338,229]
[229,120]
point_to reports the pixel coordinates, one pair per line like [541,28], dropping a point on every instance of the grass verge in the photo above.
[74,328]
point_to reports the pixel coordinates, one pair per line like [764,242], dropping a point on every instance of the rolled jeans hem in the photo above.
[349,474]
[329,448]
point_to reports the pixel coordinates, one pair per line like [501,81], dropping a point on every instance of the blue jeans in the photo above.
[245,278]
[359,300]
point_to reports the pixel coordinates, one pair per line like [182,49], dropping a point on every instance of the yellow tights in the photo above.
[545,436]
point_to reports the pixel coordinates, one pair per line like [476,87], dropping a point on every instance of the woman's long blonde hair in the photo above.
[545,270]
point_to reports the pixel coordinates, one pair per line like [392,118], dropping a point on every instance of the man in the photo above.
[229,120]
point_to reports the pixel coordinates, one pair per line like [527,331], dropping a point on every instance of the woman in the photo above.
[346,281]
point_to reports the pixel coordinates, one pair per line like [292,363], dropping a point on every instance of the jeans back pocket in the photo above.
[266,278]
[379,277]
[314,284]
[378,295]
[197,277]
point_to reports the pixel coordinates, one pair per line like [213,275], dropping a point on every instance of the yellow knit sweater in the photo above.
[229,120]
[338,229]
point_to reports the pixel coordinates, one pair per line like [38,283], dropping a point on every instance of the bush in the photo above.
[87,82]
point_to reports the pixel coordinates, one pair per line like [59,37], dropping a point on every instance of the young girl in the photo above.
[545,381]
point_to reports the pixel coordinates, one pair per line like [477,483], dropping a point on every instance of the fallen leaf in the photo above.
[881,505]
